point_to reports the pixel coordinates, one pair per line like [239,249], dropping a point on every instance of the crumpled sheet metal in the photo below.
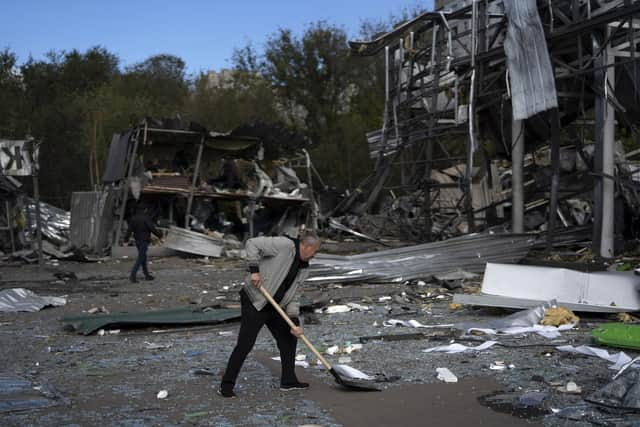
[183,240]
[533,86]
[469,253]
[521,322]
[56,222]
[20,299]
[619,360]
[509,285]
[519,319]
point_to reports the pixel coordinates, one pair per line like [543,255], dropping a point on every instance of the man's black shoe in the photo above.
[294,386]
[149,277]
[227,393]
[133,279]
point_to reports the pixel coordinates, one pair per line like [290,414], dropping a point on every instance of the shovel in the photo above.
[347,382]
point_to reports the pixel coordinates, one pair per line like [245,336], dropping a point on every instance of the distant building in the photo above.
[220,79]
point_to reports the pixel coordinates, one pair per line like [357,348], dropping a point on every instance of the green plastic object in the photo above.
[618,335]
[87,324]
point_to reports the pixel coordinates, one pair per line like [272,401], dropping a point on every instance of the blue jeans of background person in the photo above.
[142,246]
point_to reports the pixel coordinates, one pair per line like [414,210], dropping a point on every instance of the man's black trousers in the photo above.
[251,322]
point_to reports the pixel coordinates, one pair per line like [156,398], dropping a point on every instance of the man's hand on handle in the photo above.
[256,280]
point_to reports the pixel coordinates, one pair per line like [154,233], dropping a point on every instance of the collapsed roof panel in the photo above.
[469,253]
[520,286]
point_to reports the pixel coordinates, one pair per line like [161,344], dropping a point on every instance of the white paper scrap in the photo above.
[338,309]
[460,348]
[413,324]
[444,374]
[301,363]
[618,359]
[358,307]
[332,350]
[545,331]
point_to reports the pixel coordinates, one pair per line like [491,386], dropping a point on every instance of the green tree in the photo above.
[53,93]
[161,79]
[238,97]
[312,72]
[315,81]
[12,120]
[108,110]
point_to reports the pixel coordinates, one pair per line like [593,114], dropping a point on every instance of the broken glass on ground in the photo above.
[18,394]
[622,393]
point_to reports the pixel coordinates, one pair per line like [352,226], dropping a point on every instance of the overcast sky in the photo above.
[203,33]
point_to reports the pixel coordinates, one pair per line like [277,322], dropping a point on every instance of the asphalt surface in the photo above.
[114,379]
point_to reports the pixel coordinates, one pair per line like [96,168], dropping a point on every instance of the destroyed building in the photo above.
[211,190]
[11,223]
[519,114]
[513,115]
[25,221]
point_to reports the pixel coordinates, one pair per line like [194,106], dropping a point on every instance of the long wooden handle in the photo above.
[293,325]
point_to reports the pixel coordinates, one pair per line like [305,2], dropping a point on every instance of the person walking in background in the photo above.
[141,226]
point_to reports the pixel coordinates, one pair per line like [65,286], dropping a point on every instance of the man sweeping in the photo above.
[278,264]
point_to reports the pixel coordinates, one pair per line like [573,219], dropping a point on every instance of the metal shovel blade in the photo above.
[354,384]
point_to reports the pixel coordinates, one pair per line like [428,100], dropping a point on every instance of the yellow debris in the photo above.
[557,316]
[627,318]
[471,289]
[454,306]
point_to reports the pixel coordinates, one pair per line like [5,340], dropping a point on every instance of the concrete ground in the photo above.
[114,379]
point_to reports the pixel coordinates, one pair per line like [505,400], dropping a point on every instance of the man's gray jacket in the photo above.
[273,256]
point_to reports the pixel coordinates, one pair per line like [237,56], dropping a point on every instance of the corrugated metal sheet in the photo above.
[55,222]
[533,87]
[91,220]
[20,299]
[191,242]
[470,253]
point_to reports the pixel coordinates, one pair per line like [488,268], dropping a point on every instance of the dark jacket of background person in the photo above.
[141,226]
